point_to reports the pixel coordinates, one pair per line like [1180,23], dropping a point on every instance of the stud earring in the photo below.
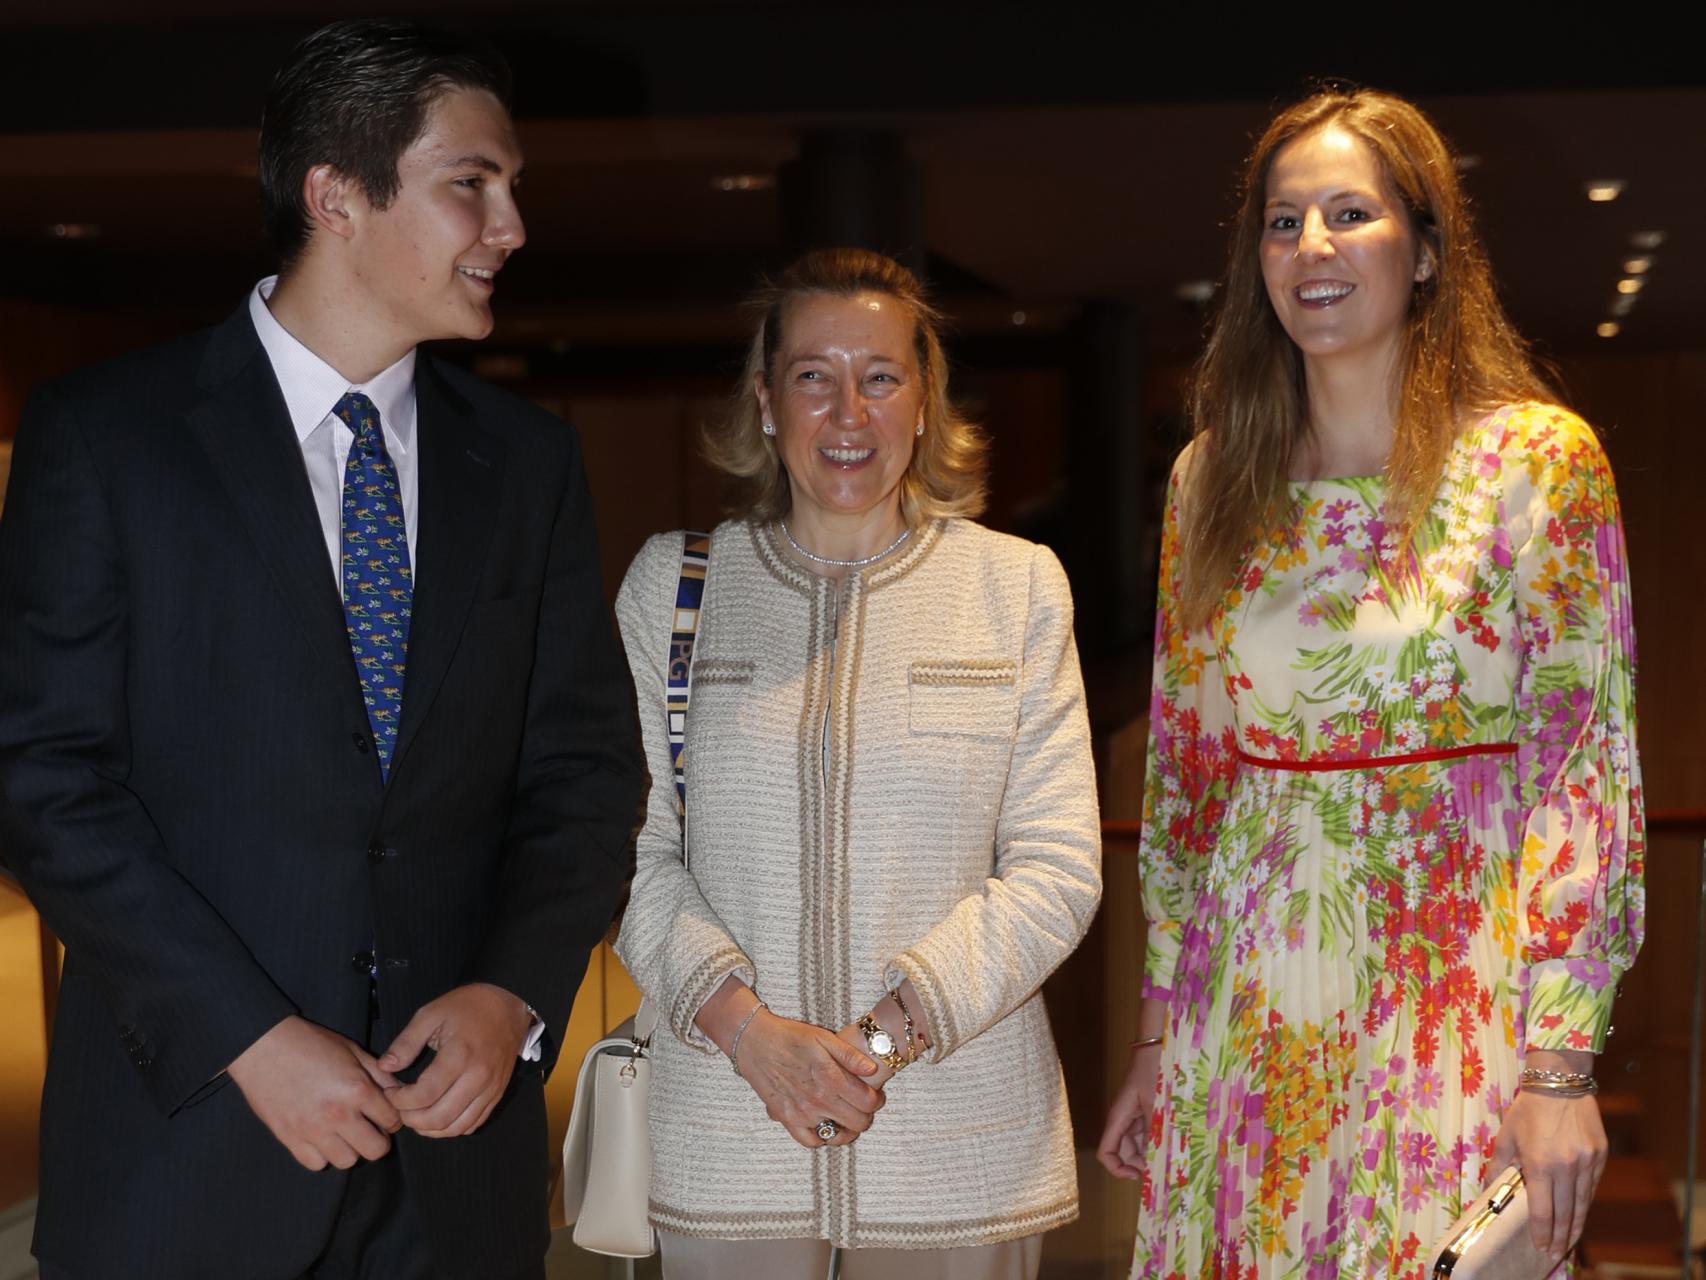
[769,428]
[919,429]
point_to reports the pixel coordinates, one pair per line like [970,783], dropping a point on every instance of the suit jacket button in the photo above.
[362,962]
[360,740]
[376,853]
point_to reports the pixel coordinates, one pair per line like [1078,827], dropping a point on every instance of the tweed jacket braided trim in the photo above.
[879,1235]
[964,671]
[705,978]
[824,811]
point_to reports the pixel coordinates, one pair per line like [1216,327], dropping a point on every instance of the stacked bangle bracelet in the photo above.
[1560,1084]
[1147,1042]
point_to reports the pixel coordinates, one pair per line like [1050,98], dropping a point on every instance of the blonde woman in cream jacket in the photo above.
[893,836]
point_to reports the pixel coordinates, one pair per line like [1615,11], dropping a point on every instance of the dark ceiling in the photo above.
[1063,154]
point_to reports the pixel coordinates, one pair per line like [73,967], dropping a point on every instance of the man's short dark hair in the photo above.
[355,95]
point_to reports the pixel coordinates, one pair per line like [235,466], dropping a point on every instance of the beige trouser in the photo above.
[694,1258]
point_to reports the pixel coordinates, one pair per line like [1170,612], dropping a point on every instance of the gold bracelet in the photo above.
[1148,1042]
[1560,1084]
[906,1014]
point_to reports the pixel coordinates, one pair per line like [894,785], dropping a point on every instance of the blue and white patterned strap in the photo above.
[689,591]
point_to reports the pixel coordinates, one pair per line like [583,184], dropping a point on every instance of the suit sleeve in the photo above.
[579,784]
[186,995]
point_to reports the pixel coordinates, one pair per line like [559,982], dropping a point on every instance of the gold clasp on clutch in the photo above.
[1503,1192]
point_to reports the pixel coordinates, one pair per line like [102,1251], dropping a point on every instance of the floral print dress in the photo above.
[1392,835]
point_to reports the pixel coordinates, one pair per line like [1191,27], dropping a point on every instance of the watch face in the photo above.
[881,1042]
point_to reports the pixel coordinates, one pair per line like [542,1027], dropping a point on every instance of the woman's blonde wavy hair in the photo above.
[1249,406]
[947,474]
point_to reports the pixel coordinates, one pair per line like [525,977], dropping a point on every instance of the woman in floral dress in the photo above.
[1392,843]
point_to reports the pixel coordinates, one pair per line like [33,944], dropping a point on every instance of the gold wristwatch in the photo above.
[881,1045]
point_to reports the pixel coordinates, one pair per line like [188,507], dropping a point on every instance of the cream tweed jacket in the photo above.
[890,778]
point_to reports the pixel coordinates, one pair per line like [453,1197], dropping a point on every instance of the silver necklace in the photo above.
[842,564]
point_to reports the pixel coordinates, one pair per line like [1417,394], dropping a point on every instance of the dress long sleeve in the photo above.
[1580,900]
[1192,753]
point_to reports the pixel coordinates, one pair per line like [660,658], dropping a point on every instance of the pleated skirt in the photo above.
[1343,1030]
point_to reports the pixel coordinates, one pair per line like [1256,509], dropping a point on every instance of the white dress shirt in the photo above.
[312,389]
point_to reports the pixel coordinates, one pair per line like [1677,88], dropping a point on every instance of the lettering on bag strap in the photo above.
[684,629]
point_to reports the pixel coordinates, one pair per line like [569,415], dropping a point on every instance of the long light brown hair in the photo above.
[946,476]
[1249,406]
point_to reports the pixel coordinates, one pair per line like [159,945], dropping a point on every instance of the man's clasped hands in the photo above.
[330,1102]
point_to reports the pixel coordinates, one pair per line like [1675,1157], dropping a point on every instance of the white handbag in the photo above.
[607,1151]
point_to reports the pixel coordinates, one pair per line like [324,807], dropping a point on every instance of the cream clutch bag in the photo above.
[1491,1240]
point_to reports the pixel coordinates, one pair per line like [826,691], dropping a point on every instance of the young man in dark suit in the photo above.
[315,745]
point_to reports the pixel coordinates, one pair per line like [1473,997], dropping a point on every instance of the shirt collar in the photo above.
[312,388]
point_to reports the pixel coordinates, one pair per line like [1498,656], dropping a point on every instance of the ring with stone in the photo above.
[827,1129]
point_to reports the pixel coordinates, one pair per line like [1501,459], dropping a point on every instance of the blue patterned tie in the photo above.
[378,586]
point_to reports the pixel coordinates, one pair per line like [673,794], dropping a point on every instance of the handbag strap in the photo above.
[689,592]
[684,629]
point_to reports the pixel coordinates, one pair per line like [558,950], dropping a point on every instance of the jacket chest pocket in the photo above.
[964,697]
[709,672]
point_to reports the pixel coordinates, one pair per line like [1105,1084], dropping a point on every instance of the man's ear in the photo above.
[331,200]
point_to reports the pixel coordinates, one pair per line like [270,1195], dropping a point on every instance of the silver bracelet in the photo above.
[1560,1090]
[734,1044]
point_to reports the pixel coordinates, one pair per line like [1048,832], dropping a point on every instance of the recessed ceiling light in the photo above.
[73,230]
[1601,190]
[1638,266]
[1019,317]
[1198,291]
[1607,329]
[1630,284]
[1623,304]
[743,182]
[1647,239]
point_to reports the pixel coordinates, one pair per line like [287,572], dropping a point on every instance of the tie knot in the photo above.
[362,417]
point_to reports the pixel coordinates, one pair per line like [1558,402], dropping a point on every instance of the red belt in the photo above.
[1380,762]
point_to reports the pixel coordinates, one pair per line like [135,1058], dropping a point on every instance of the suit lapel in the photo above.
[245,430]
[461,478]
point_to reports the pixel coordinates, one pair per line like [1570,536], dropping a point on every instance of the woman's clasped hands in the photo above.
[811,1081]
[805,1075]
